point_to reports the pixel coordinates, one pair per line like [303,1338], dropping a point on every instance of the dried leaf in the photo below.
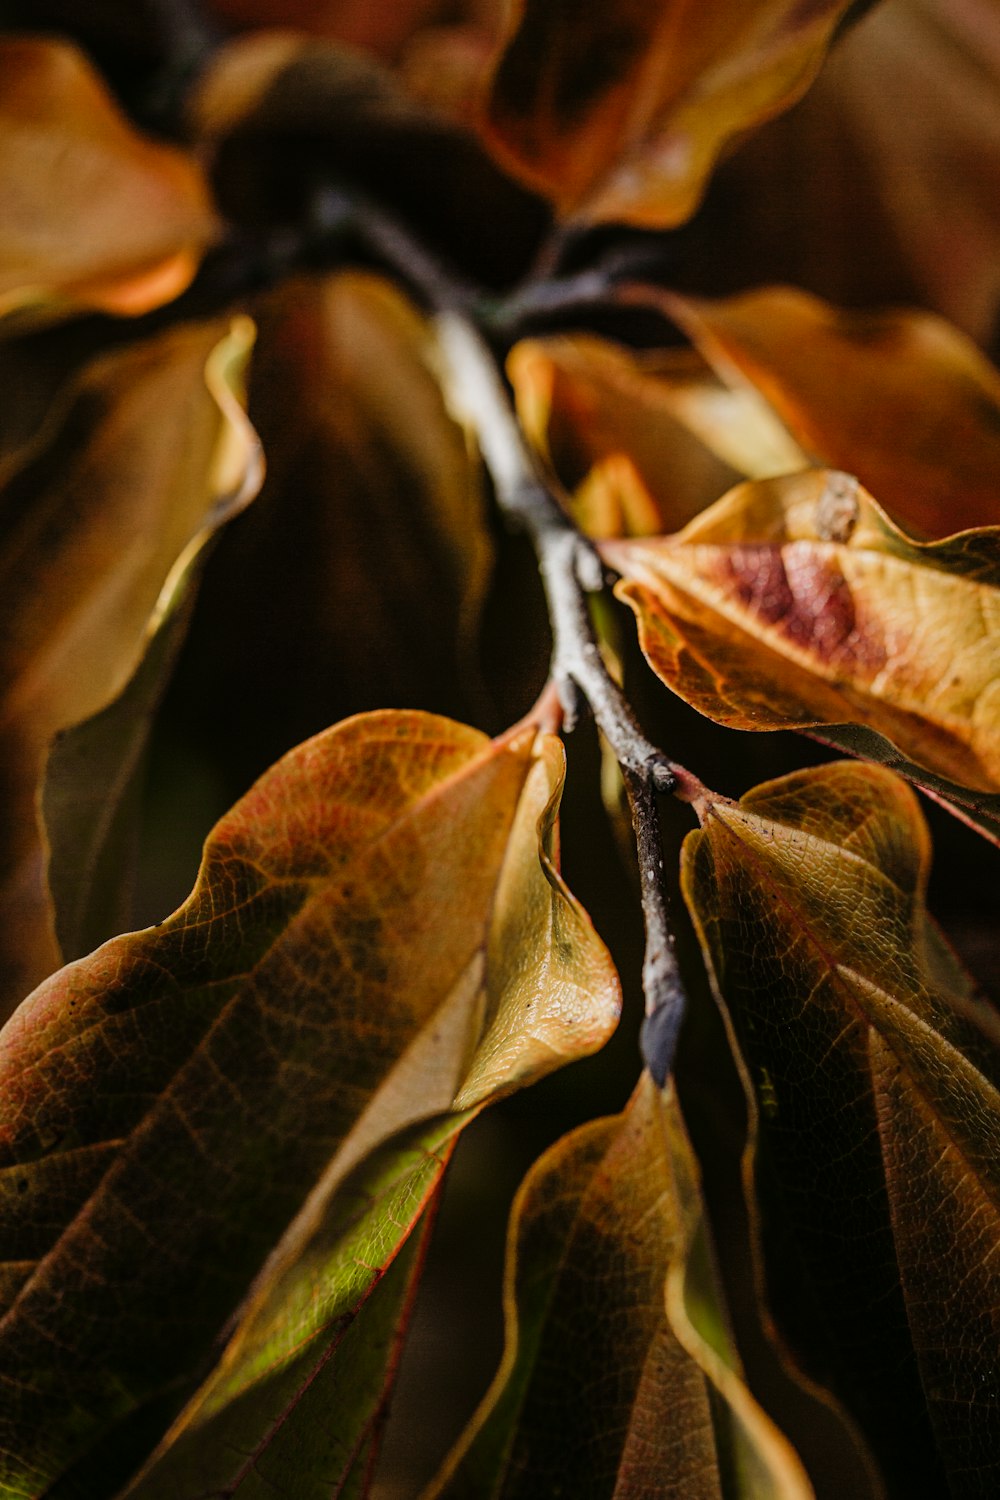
[796,602]
[377,936]
[621,111]
[901,399]
[104,524]
[93,213]
[605,1387]
[879,1115]
[632,436]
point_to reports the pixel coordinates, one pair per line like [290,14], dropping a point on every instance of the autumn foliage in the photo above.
[325,328]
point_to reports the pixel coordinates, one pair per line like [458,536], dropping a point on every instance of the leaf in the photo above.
[621,112]
[104,522]
[606,1387]
[979,810]
[94,214]
[301,1389]
[879,1116]
[796,602]
[373,504]
[901,399]
[377,937]
[611,427]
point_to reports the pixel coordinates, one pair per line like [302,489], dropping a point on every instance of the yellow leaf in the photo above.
[605,1387]
[94,215]
[796,602]
[151,453]
[631,437]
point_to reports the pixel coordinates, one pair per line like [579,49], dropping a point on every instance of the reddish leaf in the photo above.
[796,602]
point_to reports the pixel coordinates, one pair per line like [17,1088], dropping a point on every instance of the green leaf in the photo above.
[606,1387]
[106,517]
[878,1112]
[297,1398]
[377,936]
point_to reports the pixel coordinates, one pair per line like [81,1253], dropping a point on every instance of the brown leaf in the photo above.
[94,215]
[632,436]
[901,399]
[620,112]
[606,1387]
[369,537]
[882,185]
[796,602]
[879,1115]
[104,522]
[378,935]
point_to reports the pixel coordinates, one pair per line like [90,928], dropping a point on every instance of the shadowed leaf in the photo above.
[901,399]
[104,523]
[370,530]
[796,602]
[620,111]
[879,1116]
[606,1387]
[93,213]
[377,936]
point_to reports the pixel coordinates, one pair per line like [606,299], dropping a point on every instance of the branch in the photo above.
[570,569]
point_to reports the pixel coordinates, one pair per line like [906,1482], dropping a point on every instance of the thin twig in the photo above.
[571,569]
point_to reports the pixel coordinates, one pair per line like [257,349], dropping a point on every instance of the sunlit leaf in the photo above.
[377,936]
[103,525]
[879,1116]
[796,602]
[605,1387]
[631,437]
[93,213]
[301,1390]
[901,399]
[620,111]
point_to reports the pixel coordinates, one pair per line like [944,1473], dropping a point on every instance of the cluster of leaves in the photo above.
[223,1137]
